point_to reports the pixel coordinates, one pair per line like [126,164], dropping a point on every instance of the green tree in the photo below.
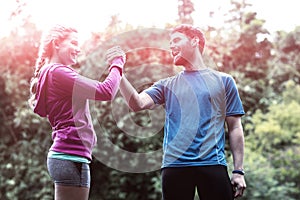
[241,48]
[25,137]
[185,10]
[275,138]
[286,63]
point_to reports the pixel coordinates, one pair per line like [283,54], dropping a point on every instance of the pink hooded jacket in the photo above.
[62,96]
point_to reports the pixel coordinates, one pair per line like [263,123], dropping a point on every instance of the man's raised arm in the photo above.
[135,101]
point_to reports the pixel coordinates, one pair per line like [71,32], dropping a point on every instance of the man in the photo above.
[198,101]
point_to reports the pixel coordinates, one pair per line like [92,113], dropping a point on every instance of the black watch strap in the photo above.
[241,172]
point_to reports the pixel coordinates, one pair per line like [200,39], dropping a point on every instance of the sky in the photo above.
[94,15]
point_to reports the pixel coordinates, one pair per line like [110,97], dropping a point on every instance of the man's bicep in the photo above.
[147,101]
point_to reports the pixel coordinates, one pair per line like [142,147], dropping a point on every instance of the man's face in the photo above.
[181,48]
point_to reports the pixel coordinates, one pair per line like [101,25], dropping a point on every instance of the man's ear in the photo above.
[195,41]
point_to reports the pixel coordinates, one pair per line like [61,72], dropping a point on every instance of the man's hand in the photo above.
[238,184]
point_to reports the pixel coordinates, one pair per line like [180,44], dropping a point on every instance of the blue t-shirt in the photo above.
[196,104]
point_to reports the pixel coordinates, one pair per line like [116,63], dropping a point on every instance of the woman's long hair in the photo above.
[54,35]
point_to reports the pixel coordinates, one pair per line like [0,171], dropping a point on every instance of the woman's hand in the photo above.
[114,53]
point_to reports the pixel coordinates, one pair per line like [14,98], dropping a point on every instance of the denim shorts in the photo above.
[69,173]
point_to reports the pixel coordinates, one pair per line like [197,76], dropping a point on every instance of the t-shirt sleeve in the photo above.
[234,104]
[156,92]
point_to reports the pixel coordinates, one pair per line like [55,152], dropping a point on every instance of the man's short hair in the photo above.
[191,32]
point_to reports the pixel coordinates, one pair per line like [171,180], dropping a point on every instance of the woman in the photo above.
[61,94]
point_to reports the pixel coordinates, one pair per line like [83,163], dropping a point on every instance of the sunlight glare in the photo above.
[94,16]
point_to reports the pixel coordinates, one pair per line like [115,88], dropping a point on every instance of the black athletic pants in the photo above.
[211,182]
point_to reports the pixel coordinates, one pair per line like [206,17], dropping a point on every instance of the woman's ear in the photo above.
[55,44]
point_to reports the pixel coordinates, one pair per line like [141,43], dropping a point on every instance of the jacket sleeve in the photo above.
[72,83]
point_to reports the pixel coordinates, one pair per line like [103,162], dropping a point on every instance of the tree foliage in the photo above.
[185,9]
[275,138]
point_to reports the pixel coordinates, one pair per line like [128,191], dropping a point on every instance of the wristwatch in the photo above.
[236,171]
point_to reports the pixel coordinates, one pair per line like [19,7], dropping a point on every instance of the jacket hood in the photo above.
[40,107]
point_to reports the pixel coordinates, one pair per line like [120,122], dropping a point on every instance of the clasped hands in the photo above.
[115,57]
